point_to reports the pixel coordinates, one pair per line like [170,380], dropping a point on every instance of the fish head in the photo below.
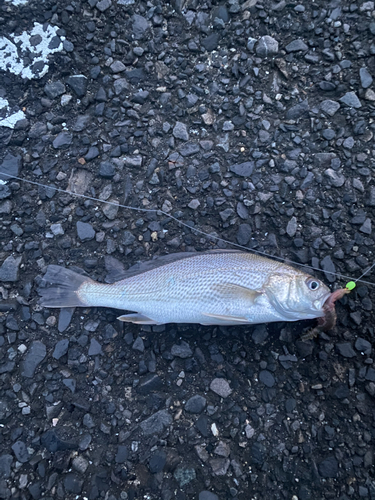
[297,295]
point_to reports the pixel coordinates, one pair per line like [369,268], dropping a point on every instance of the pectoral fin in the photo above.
[139,319]
[231,291]
[215,319]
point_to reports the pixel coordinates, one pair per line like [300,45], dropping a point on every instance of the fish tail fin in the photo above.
[60,288]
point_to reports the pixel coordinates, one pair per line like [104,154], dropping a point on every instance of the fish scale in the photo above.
[218,287]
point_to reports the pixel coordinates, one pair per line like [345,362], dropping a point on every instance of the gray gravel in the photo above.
[249,120]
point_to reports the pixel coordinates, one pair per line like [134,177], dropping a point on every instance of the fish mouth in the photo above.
[319,304]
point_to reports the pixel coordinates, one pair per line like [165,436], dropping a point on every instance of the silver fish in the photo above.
[221,287]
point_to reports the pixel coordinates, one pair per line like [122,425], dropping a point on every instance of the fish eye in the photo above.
[312,284]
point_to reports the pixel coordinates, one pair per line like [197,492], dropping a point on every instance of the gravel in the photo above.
[251,121]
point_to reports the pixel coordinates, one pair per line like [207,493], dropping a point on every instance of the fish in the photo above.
[217,287]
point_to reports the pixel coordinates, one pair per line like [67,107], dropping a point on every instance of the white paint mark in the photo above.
[7,118]
[18,2]
[34,46]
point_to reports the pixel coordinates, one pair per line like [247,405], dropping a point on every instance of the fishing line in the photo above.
[199,231]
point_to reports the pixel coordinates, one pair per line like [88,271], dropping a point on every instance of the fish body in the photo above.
[210,288]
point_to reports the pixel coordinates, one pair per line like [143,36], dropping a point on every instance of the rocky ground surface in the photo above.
[253,121]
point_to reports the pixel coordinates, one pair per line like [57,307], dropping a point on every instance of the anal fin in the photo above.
[139,319]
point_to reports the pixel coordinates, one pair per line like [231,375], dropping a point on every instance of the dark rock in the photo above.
[5,466]
[20,450]
[54,89]
[95,348]
[10,165]
[184,475]
[351,100]
[189,149]
[157,462]
[10,268]
[211,42]
[345,349]
[150,384]
[363,345]
[61,348]
[78,83]
[65,318]
[128,238]
[81,123]
[202,425]
[181,350]
[92,153]
[180,131]
[244,234]
[195,404]
[140,26]
[296,46]
[35,355]
[5,192]
[328,467]
[298,110]
[156,423]
[221,387]
[267,378]
[63,140]
[122,454]
[267,47]
[72,483]
[52,442]
[329,268]
[329,107]
[366,78]
[85,231]
[207,495]
[243,169]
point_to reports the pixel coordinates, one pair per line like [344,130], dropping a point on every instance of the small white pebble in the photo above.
[22,348]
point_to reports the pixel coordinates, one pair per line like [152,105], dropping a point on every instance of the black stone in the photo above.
[11,165]
[267,378]
[328,467]
[34,356]
[78,83]
[157,462]
[195,404]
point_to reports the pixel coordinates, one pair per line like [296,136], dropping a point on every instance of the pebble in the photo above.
[267,378]
[9,270]
[34,356]
[78,83]
[180,131]
[267,46]
[242,169]
[63,140]
[20,450]
[298,110]
[291,227]
[351,100]
[61,348]
[181,350]
[54,89]
[296,46]
[156,423]
[85,231]
[11,165]
[330,107]
[345,349]
[244,234]
[221,387]
[195,404]
[366,78]
[207,495]
[157,462]
[328,468]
